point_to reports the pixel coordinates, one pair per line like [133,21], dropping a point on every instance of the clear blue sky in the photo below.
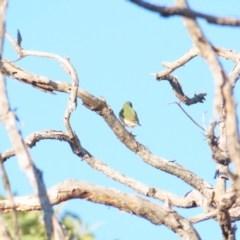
[115,46]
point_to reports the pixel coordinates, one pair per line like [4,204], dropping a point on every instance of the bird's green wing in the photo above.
[131,115]
[137,118]
[121,115]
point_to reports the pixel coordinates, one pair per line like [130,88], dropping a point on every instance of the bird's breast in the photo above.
[130,123]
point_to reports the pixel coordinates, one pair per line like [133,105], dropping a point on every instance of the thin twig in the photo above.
[204,120]
[189,116]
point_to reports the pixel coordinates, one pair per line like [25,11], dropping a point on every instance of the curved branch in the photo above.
[72,101]
[178,63]
[190,200]
[132,204]
[193,52]
[182,11]
[190,117]
[102,109]
[177,89]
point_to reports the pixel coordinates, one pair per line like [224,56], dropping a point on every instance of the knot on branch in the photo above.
[197,98]
[151,192]
[218,154]
[177,89]
[75,145]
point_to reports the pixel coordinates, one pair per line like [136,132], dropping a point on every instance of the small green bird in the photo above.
[128,115]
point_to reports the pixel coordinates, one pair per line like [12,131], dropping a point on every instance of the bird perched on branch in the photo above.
[128,115]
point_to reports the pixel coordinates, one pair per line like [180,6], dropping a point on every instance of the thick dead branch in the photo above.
[190,200]
[177,89]
[132,204]
[34,175]
[186,12]
[26,163]
[223,90]
[223,94]
[102,109]
[45,84]
[4,234]
[3,8]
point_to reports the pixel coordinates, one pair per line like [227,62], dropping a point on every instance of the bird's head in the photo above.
[128,104]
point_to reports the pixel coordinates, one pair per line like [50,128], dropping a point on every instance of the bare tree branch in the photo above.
[7,187]
[221,206]
[101,108]
[34,175]
[223,89]
[222,92]
[193,52]
[3,230]
[132,204]
[186,12]
[190,200]
[178,91]
[72,102]
[190,117]
[25,161]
